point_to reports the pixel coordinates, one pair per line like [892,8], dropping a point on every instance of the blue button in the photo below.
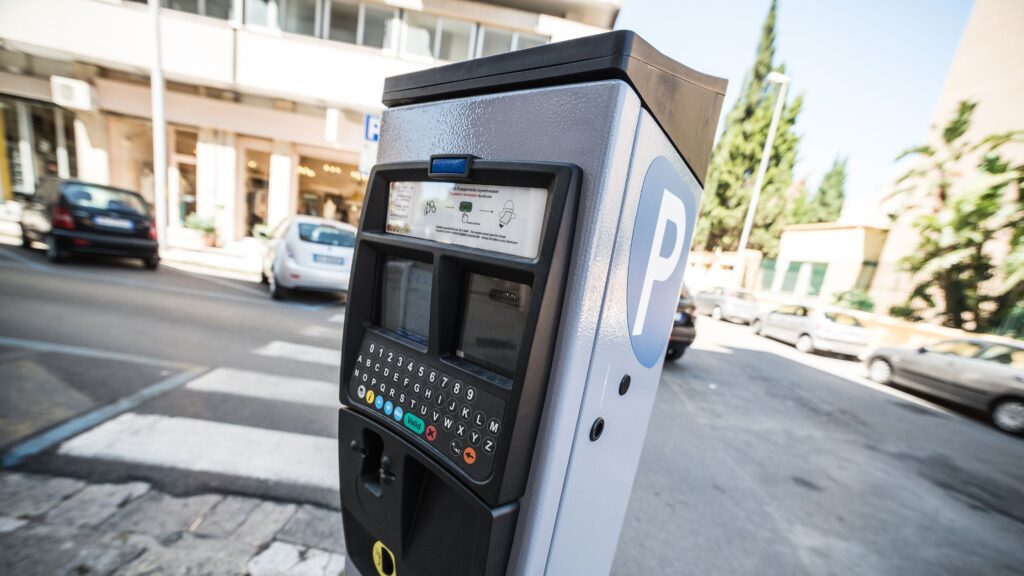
[389,407]
[379,402]
[399,413]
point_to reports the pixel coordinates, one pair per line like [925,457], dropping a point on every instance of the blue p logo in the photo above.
[657,257]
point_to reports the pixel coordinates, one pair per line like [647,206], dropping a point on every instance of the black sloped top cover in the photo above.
[684,102]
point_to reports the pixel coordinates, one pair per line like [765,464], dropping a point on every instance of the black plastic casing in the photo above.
[482,510]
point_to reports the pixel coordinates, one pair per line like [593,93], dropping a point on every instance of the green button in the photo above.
[414,423]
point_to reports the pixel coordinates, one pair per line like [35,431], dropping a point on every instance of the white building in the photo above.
[268,102]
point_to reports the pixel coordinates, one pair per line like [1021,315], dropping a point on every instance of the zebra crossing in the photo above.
[261,429]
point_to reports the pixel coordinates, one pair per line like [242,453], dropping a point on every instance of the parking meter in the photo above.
[516,272]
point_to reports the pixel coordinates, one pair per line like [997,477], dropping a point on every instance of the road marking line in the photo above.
[79,424]
[162,287]
[268,387]
[23,259]
[337,318]
[41,346]
[300,352]
[215,447]
[321,332]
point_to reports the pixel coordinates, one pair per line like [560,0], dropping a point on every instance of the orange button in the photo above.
[469,455]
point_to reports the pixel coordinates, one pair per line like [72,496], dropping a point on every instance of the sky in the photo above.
[870,70]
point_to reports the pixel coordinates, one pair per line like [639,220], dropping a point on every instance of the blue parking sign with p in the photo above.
[371,127]
[662,233]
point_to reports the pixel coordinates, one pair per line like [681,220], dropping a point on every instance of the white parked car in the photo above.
[727,304]
[814,329]
[309,253]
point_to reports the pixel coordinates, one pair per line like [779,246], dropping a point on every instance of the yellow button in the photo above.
[370,396]
[383,560]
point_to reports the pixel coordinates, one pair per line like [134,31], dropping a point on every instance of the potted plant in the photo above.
[204,226]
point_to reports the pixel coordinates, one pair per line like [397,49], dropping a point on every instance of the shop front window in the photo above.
[37,141]
[329,189]
[344,22]
[257,189]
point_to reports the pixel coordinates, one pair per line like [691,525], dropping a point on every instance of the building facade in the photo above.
[985,70]
[271,105]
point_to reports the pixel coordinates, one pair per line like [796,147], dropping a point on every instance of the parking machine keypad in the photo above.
[453,415]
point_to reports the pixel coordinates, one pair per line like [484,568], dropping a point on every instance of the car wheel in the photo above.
[277,292]
[716,313]
[53,253]
[26,242]
[263,277]
[756,326]
[805,344]
[1008,415]
[880,371]
[152,262]
[674,353]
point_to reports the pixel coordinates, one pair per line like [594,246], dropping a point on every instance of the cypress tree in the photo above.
[737,155]
[827,204]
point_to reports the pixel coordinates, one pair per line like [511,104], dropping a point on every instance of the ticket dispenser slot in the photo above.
[454,306]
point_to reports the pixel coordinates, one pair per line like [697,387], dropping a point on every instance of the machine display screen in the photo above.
[506,219]
[406,305]
[493,320]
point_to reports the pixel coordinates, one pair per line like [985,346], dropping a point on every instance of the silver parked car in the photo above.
[309,253]
[732,305]
[978,374]
[814,329]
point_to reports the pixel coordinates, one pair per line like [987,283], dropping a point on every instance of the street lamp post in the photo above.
[156,86]
[783,81]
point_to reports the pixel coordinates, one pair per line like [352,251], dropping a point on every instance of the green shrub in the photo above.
[856,299]
[196,222]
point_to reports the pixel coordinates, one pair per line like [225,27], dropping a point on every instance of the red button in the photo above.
[431,433]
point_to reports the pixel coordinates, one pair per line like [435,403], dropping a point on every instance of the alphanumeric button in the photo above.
[391,357]
[457,387]
[432,376]
[447,422]
[479,419]
[474,437]
[400,361]
[494,426]
[376,368]
[453,405]
[413,402]
[424,409]
[401,398]
[445,381]
[470,394]
[392,392]
[428,393]
[439,399]
[373,346]
[490,445]
[383,386]
[435,416]
[416,387]
[456,447]
[460,430]
[464,412]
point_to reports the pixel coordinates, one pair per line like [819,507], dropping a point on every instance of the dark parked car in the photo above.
[684,329]
[978,374]
[77,217]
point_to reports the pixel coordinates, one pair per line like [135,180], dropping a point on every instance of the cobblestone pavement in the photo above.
[53,526]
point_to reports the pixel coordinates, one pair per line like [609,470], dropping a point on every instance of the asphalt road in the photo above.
[762,460]
[758,459]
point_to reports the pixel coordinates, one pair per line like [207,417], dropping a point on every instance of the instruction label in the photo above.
[506,219]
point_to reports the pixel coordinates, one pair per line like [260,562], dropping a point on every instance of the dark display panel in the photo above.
[406,298]
[493,320]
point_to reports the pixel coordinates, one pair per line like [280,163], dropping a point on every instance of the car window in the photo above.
[803,311]
[788,310]
[842,319]
[326,234]
[1002,354]
[740,295]
[963,348]
[100,198]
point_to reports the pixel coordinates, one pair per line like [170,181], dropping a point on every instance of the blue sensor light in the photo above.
[448,166]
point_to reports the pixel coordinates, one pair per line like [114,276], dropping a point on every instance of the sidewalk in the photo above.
[54,525]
